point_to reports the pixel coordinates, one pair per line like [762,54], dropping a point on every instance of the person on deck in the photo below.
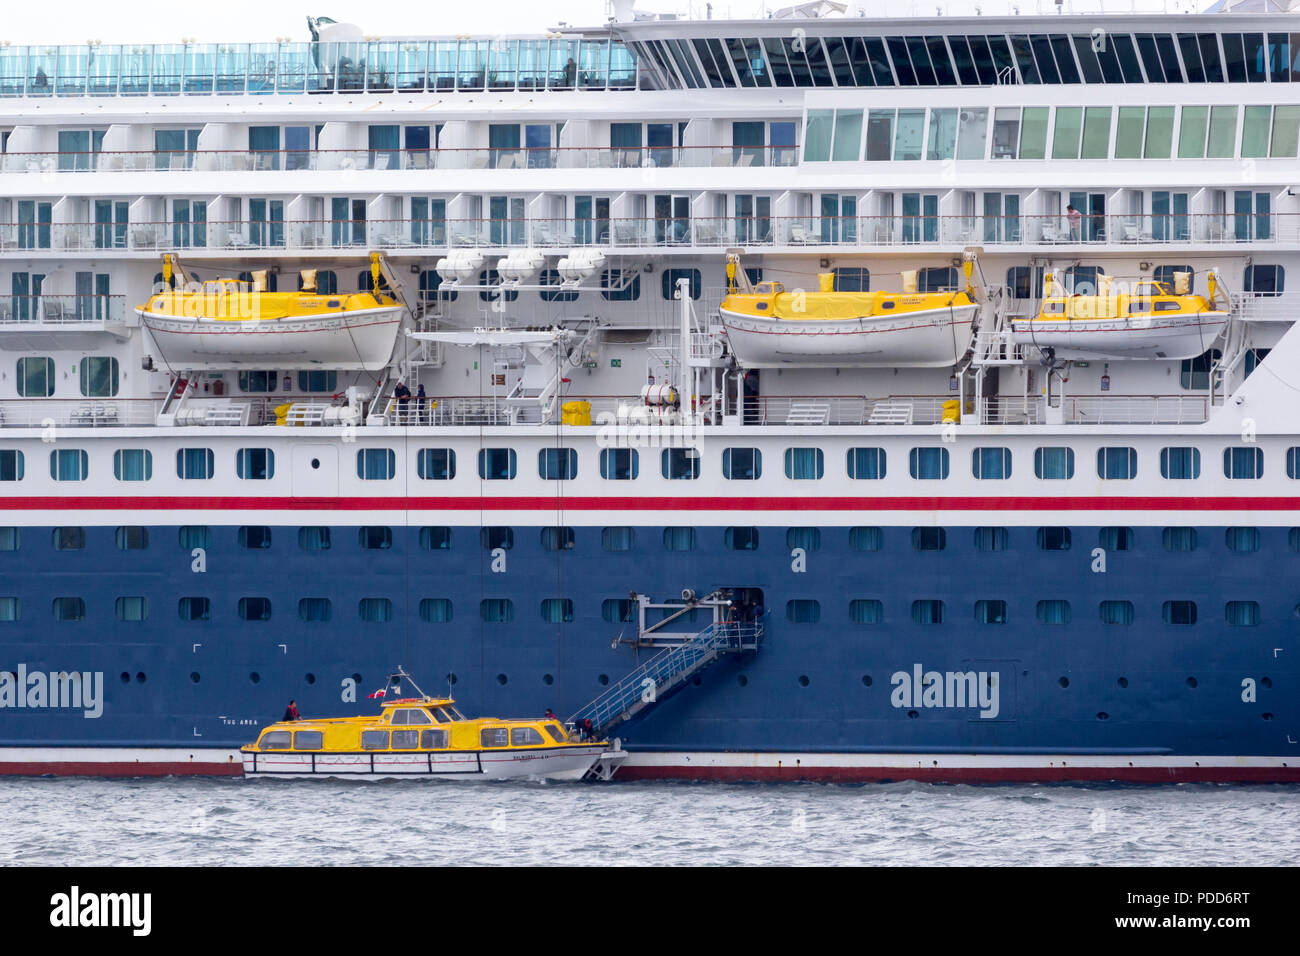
[291,712]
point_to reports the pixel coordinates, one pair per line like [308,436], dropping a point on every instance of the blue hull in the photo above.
[829,685]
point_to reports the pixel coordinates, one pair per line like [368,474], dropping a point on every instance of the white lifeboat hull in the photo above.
[1172,336]
[361,339]
[930,338]
[560,763]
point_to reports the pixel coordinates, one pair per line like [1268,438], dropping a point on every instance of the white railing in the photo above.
[1284,307]
[1137,410]
[25,413]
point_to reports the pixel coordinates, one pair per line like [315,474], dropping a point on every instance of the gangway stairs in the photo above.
[660,677]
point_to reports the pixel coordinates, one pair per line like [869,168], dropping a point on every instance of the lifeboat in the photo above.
[421,737]
[228,323]
[1154,321]
[767,326]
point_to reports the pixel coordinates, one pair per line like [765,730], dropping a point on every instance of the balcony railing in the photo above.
[547,157]
[61,309]
[436,235]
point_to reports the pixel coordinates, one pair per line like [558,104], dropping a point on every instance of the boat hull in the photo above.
[562,763]
[355,340]
[1153,337]
[931,338]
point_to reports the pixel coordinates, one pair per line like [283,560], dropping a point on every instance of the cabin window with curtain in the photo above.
[375,610]
[1116,539]
[315,610]
[436,464]
[866,464]
[132,464]
[195,464]
[255,464]
[679,539]
[69,539]
[557,610]
[1179,539]
[866,539]
[10,539]
[132,538]
[558,539]
[1116,612]
[375,537]
[69,464]
[1054,464]
[990,612]
[255,609]
[1242,540]
[376,464]
[314,539]
[131,608]
[991,463]
[803,611]
[195,536]
[1242,613]
[194,609]
[1243,463]
[928,464]
[617,539]
[804,464]
[436,610]
[497,610]
[618,610]
[1180,463]
[1116,464]
[866,611]
[810,539]
[929,611]
[557,464]
[1053,612]
[1054,539]
[991,539]
[11,610]
[494,537]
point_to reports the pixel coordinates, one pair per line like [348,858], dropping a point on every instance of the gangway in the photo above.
[682,656]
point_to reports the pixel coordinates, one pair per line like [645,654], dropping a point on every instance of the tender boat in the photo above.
[228,323]
[768,326]
[421,737]
[1151,322]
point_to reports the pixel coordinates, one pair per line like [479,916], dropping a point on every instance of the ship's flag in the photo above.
[379,693]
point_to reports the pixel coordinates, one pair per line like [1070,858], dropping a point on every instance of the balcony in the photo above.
[682,233]
[285,160]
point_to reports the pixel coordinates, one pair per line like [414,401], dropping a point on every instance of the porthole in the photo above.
[1064,682]
[803,680]
[1102,715]
[913,714]
[140,677]
[451,678]
[742,680]
[194,676]
[315,463]
[866,680]
[310,678]
[548,679]
[502,679]
[604,679]
[1267,716]
[125,677]
[255,677]
[356,678]
[1265,682]
[1123,682]
[1191,682]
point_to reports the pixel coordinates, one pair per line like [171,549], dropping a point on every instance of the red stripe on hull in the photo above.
[966,774]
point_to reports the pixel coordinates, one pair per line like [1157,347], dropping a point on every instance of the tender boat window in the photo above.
[275,740]
[374,740]
[495,737]
[406,739]
[1168,306]
[455,714]
[308,740]
[418,716]
[1140,305]
[1053,308]
[525,737]
[439,715]
[433,740]
[398,718]
[556,733]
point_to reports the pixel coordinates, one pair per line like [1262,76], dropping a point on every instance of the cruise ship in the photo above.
[817,396]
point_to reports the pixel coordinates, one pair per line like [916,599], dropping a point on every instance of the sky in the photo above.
[152,21]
